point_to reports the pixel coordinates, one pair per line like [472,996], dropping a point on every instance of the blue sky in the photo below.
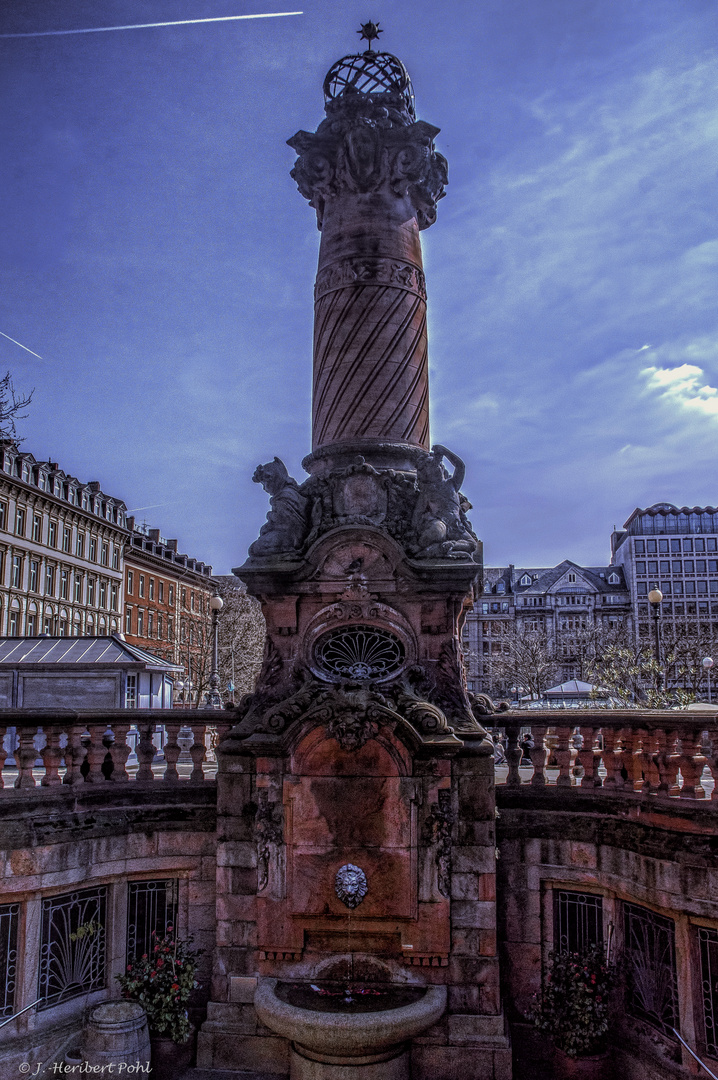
[157,255]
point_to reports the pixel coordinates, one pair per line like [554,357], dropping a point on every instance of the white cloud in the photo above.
[683,386]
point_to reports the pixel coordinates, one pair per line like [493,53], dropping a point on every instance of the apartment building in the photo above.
[166,602]
[61,548]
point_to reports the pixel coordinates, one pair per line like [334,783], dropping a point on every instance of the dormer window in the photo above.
[572,578]
[525,580]
[614,579]
[501,587]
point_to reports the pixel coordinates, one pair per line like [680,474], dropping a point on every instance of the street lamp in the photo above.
[180,691]
[655,597]
[707,665]
[214,698]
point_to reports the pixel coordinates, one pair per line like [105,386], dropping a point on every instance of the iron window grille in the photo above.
[360,653]
[151,908]
[577,921]
[652,983]
[8,957]
[708,942]
[72,963]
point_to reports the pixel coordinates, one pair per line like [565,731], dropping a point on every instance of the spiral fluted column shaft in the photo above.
[374,178]
[371,376]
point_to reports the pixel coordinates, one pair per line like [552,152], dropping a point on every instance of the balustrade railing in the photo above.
[670,755]
[49,749]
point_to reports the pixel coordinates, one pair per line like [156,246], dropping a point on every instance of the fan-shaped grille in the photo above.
[360,653]
[369,73]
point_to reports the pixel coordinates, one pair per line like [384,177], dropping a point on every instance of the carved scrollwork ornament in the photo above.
[268,835]
[437,833]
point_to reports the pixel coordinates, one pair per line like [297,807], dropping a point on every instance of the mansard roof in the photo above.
[546,579]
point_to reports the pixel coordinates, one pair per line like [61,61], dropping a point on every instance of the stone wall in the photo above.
[56,843]
[662,858]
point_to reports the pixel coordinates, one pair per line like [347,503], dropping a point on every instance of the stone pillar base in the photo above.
[465,1062]
[324,1067]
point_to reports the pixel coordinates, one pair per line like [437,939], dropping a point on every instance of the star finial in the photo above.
[369,32]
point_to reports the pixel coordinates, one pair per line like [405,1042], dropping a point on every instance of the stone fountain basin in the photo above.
[344,1034]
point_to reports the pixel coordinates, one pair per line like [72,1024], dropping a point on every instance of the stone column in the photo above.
[373,176]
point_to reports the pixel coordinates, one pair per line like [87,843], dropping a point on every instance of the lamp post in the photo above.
[214,698]
[180,691]
[707,665]
[655,598]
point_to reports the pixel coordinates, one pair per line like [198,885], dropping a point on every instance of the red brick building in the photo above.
[166,604]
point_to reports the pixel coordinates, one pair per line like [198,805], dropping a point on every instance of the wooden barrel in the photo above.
[116,1034]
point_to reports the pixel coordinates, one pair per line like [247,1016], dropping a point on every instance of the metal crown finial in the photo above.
[369,32]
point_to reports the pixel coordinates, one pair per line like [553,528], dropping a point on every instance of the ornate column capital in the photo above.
[369,143]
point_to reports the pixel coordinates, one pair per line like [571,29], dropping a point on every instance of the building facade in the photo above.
[564,604]
[166,603]
[674,550]
[61,549]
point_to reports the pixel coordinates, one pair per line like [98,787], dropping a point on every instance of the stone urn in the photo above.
[346,1045]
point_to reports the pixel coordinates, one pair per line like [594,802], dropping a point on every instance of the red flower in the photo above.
[129,967]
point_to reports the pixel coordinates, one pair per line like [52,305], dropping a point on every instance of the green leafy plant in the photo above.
[87,929]
[573,1008]
[162,982]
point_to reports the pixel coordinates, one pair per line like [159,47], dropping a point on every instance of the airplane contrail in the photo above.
[145,26]
[21,346]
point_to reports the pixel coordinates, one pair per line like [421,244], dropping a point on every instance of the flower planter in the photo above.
[171,1059]
[591,1067]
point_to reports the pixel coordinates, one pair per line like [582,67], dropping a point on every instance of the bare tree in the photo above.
[11,406]
[528,658]
[242,631]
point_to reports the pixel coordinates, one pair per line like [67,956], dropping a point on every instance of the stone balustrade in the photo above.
[661,754]
[47,748]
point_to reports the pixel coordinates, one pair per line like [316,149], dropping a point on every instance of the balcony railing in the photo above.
[45,748]
[656,754]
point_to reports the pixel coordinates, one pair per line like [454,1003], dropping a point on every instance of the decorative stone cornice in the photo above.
[368,145]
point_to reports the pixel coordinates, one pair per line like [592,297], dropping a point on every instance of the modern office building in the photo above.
[674,550]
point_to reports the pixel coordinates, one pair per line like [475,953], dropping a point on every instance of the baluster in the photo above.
[222,728]
[538,754]
[146,751]
[513,754]
[646,761]
[74,754]
[119,752]
[691,764]
[563,756]
[612,758]
[668,762]
[3,753]
[198,751]
[25,757]
[52,757]
[172,752]
[713,759]
[632,758]
[585,757]
[96,753]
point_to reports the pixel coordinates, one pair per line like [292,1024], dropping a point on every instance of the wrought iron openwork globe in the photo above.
[370,73]
[360,653]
